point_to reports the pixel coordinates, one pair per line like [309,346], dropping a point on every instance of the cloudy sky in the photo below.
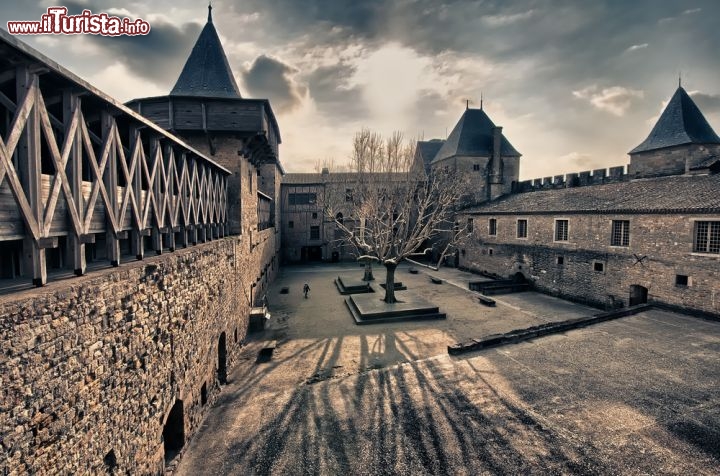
[575,84]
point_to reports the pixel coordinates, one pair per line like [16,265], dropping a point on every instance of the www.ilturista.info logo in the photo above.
[57,22]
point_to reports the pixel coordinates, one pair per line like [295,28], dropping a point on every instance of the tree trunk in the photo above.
[390,283]
[368,272]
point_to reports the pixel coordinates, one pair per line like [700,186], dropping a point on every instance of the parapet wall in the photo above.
[580,179]
[91,367]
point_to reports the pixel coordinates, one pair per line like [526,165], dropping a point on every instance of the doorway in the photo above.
[311,253]
[222,359]
[174,431]
[638,295]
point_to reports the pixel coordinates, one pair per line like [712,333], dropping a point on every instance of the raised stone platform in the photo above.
[399,286]
[348,286]
[371,309]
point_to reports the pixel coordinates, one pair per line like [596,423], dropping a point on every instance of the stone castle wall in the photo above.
[91,367]
[664,242]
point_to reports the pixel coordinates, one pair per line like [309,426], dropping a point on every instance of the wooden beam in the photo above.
[48,242]
[137,242]
[110,181]
[156,155]
[71,102]
[30,171]
[89,238]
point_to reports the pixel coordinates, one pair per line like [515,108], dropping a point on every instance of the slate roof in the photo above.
[678,193]
[680,123]
[207,72]
[472,136]
[428,149]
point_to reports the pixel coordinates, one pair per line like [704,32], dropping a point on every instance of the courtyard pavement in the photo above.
[639,395]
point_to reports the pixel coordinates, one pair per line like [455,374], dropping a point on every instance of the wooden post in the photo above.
[156,154]
[71,102]
[136,236]
[203,233]
[168,213]
[110,181]
[182,165]
[30,170]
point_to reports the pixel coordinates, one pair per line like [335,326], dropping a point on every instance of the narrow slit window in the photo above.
[522,228]
[492,227]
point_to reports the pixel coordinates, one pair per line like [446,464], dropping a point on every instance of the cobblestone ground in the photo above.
[639,395]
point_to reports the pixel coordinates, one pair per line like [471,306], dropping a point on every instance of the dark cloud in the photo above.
[271,78]
[708,103]
[429,114]
[158,56]
[330,88]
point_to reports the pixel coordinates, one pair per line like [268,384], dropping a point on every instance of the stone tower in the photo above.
[478,149]
[205,108]
[681,141]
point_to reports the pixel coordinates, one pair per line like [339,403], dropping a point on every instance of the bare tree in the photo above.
[396,210]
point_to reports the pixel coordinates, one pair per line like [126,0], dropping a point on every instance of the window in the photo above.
[492,227]
[490,251]
[561,230]
[476,167]
[707,237]
[291,224]
[560,260]
[470,225]
[302,198]
[599,267]
[348,195]
[315,232]
[522,228]
[620,233]
[314,215]
[682,280]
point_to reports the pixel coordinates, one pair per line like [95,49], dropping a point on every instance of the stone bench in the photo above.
[486,301]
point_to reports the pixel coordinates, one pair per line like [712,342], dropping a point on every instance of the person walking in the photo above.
[306,289]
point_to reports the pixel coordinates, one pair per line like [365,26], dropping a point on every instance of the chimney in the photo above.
[497,143]
[496,167]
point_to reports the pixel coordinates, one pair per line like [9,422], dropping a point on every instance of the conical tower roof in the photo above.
[207,72]
[473,136]
[680,123]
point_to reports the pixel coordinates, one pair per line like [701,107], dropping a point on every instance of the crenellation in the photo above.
[617,172]
[579,179]
[572,180]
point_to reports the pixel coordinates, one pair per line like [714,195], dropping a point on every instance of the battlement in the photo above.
[579,179]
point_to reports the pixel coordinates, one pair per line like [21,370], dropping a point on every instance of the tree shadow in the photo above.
[408,419]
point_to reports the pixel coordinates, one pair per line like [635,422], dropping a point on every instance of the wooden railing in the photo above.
[75,163]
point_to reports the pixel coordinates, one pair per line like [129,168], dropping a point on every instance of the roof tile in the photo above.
[679,192]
